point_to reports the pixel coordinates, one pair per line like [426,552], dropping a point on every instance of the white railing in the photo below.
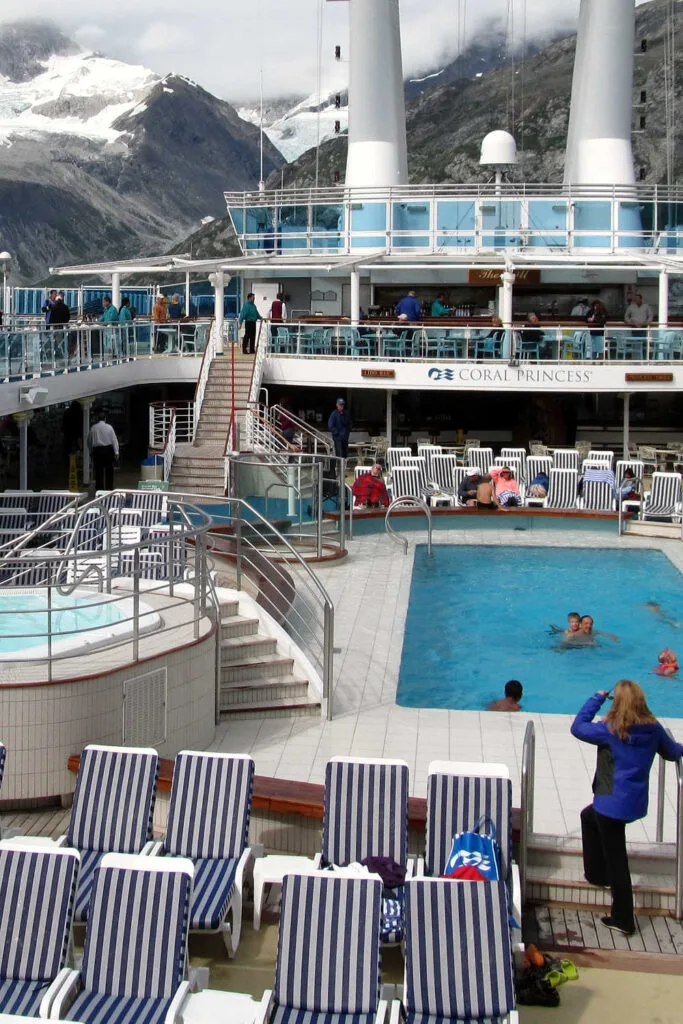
[254,428]
[200,390]
[169,448]
[160,416]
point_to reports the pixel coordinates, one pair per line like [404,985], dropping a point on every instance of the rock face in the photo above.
[101,159]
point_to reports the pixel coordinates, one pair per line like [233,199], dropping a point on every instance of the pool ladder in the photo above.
[408,502]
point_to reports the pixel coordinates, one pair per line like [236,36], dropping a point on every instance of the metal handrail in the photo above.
[526,824]
[316,436]
[408,502]
[659,834]
[207,359]
[620,502]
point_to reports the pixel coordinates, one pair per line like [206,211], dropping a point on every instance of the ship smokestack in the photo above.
[377,155]
[599,138]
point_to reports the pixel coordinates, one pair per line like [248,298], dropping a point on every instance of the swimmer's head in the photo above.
[586,624]
[574,621]
[667,657]
[513,689]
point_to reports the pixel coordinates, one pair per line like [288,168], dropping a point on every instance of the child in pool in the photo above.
[572,630]
[668,663]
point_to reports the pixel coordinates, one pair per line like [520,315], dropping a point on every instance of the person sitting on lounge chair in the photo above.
[467,489]
[507,488]
[369,489]
[486,494]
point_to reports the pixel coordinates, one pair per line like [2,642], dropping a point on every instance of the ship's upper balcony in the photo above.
[459,219]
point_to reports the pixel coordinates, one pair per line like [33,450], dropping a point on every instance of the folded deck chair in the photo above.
[458,956]
[458,795]
[563,488]
[328,958]
[37,887]
[664,499]
[366,815]
[597,496]
[208,822]
[112,809]
[135,945]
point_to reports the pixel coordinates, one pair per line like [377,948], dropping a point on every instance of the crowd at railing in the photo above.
[472,343]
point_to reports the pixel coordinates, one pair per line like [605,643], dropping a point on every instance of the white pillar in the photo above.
[663,297]
[390,411]
[187,293]
[86,404]
[23,419]
[507,280]
[219,305]
[355,297]
[116,289]
[627,423]
[599,136]
[377,153]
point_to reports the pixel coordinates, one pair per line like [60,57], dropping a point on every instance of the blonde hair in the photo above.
[629,707]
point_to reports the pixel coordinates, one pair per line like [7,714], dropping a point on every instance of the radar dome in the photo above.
[498,149]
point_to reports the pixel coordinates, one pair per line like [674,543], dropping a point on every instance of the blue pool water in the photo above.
[29,628]
[479,616]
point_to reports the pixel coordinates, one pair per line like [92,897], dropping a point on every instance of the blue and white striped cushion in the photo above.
[427,1018]
[210,806]
[114,800]
[366,812]
[328,946]
[454,804]
[289,1015]
[90,859]
[96,1008]
[458,950]
[213,884]
[136,940]
[36,902]
[22,998]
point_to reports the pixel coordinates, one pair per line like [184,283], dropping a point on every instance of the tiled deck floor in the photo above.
[370,590]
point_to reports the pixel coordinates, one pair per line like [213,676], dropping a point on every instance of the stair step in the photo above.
[228,610]
[237,648]
[650,893]
[238,625]
[286,707]
[262,690]
[262,667]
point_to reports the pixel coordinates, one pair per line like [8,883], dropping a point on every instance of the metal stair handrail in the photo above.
[320,441]
[526,824]
[408,502]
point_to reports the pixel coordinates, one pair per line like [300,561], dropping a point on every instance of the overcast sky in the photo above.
[222,44]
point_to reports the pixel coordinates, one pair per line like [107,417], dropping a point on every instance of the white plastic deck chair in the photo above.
[536,464]
[516,453]
[562,491]
[406,483]
[482,457]
[460,473]
[636,466]
[566,458]
[442,472]
[514,463]
[597,496]
[664,500]
[603,459]
[419,463]
[429,452]
[394,456]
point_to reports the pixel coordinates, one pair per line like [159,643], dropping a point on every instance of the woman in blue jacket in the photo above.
[627,740]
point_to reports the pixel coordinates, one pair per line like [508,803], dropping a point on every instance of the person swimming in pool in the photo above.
[662,615]
[572,630]
[587,634]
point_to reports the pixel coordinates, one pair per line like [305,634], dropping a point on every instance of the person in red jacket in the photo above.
[369,489]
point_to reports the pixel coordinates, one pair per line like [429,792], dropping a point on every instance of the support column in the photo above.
[86,405]
[187,293]
[23,419]
[505,298]
[627,423]
[116,289]
[355,298]
[219,306]
[663,297]
[390,412]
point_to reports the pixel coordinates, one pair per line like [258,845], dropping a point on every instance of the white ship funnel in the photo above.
[599,138]
[377,155]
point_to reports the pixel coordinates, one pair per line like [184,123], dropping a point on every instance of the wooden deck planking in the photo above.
[676,933]
[558,928]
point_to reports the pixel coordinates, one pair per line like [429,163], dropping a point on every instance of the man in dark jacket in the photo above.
[61,314]
[339,425]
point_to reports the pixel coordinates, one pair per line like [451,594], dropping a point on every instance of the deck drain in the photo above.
[519,529]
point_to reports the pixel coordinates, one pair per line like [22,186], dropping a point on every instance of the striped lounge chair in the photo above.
[516,453]
[441,473]
[328,953]
[394,456]
[566,458]
[37,886]
[112,809]
[429,453]
[482,457]
[563,488]
[664,499]
[457,797]
[597,496]
[419,463]
[135,945]
[208,822]
[459,474]
[406,482]
[458,956]
[366,815]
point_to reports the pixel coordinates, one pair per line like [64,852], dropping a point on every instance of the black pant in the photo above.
[103,464]
[249,339]
[341,447]
[605,862]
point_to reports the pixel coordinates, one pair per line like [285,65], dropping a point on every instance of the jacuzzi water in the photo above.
[80,621]
[480,615]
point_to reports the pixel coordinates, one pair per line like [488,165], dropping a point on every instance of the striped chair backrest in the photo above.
[50,502]
[458,953]
[562,491]
[443,467]
[455,803]
[516,453]
[136,939]
[514,464]
[37,886]
[328,946]
[666,491]
[429,453]
[598,496]
[406,483]
[114,799]
[17,499]
[28,572]
[482,457]
[394,456]
[417,462]
[366,811]
[91,531]
[536,464]
[208,814]
[600,458]
[12,519]
[635,465]
[566,458]
[150,504]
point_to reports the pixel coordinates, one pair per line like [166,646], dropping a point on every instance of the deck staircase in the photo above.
[256,679]
[199,468]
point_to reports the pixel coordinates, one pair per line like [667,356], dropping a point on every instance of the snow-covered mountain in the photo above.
[303,124]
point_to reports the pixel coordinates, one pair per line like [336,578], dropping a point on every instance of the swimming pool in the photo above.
[81,621]
[479,615]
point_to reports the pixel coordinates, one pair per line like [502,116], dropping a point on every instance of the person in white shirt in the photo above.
[103,446]
[638,312]
[581,309]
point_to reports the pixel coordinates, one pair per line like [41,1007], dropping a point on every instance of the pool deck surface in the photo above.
[370,590]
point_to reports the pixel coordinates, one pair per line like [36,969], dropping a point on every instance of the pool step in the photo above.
[652,529]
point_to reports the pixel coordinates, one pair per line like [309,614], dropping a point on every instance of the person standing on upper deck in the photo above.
[339,425]
[110,314]
[638,312]
[439,308]
[409,308]
[49,306]
[249,316]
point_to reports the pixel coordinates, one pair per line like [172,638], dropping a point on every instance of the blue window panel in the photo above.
[592,241]
[329,218]
[368,241]
[258,220]
[328,242]
[293,219]
[369,217]
[410,241]
[670,217]
[455,241]
[455,216]
[592,216]
[500,215]
[547,215]
[237,217]
[501,240]
[411,216]
[537,240]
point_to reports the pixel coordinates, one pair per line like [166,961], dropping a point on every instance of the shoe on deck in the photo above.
[609,923]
